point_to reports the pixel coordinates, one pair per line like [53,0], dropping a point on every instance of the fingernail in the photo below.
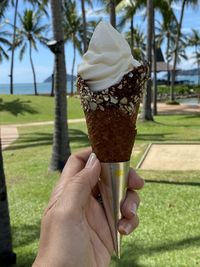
[91,160]
[133,209]
[126,228]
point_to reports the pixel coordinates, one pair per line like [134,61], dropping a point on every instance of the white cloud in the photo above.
[176,6]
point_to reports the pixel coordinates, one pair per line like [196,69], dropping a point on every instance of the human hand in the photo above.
[74,229]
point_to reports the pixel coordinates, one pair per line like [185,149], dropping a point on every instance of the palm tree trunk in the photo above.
[132,36]
[155,69]
[199,81]
[13,48]
[61,148]
[168,72]
[33,69]
[7,257]
[84,26]
[176,51]
[112,13]
[73,64]
[52,81]
[146,111]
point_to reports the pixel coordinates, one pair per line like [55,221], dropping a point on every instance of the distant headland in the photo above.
[69,77]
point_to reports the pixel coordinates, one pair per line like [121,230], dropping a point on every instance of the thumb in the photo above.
[79,187]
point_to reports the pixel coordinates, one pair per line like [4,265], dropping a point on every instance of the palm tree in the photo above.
[129,8]
[112,7]
[72,31]
[7,256]
[3,42]
[30,31]
[138,40]
[167,30]
[85,39]
[61,148]
[184,3]
[41,4]
[147,112]
[165,10]
[194,41]
[84,26]
[13,47]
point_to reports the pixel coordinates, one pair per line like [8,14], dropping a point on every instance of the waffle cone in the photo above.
[112,134]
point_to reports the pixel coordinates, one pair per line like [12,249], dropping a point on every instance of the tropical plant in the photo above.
[7,257]
[3,42]
[61,148]
[194,41]
[29,32]
[184,3]
[41,4]
[72,31]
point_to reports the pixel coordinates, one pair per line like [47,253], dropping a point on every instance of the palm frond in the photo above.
[22,51]
[3,6]
[3,54]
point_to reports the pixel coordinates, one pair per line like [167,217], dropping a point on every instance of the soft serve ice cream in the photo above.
[111,84]
[107,60]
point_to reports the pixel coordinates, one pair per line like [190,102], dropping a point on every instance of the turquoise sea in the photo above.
[45,88]
[28,88]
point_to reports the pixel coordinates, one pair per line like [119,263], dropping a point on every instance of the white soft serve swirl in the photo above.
[107,60]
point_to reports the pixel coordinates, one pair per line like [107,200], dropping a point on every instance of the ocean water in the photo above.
[28,88]
[45,88]
[190,79]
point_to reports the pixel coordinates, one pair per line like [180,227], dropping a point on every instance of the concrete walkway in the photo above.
[165,109]
[172,157]
[9,133]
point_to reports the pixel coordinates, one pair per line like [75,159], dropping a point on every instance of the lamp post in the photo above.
[55,47]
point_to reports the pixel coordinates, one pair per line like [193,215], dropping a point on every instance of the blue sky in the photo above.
[43,59]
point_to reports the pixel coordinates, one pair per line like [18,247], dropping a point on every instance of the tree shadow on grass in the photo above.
[17,106]
[25,234]
[132,252]
[153,136]
[173,182]
[78,138]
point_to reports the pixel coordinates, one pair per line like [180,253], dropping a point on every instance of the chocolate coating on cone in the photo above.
[111,115]
[112,134]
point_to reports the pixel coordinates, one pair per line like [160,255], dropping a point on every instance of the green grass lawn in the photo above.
[169,232]
[24,108]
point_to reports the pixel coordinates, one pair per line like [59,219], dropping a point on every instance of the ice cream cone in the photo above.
[111,116]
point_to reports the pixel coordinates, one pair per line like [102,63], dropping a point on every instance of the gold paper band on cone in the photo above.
[113,184]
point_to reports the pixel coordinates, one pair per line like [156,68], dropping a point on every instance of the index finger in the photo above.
[76,163]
